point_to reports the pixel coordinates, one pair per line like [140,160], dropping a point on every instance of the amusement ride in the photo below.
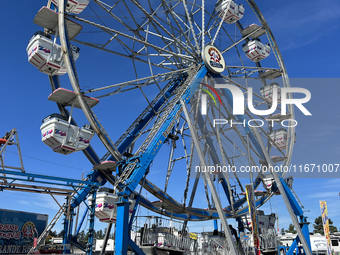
[190,67]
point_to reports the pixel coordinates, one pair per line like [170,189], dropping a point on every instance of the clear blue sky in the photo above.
[307,34]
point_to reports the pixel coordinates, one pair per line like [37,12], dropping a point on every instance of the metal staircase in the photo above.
[48,229]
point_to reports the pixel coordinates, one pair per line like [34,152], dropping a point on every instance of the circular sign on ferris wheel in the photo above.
[213,59]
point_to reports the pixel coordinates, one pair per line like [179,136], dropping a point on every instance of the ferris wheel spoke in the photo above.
[218,161]
[241,40]
[246,70]
[265,135]
[147,81]
[157,24]
[131,14]
[207,29]
[225,174]
[171,164]
[189,17]
[109,11]
[203,26]
[176,33]
[252,149]
[167,57]
[157,48]
[110,8]
[220,24]
[188,161]
[175,17]
[169,43]
[151,107]
[121,54]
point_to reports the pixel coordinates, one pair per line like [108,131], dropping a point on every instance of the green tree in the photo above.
[81,238]
[53,233]
[318,226]
[99,234]
[283,231]
[291,229]
[112,235]
[61,233]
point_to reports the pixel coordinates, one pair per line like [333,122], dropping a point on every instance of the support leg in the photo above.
[91,227]
[213,191]
[122,231]
[66,243]
[107,235]
[289,201]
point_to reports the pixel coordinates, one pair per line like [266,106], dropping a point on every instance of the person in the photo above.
[234,233]
[236,239]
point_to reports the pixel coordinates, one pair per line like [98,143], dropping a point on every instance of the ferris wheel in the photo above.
[164,66]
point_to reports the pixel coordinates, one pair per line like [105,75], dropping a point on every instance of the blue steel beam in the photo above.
[305,230]
[146,158]
[95,176]
[144,162]
[90,153]
[51,179]
[134,212]
[135,132]
[293,246]
[296,207]
[122,230]
[82,221]
[135,248]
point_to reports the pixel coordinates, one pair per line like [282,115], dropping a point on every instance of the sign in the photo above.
[19,229]
[213,59]
[193,236]
[325,223]
[252,211]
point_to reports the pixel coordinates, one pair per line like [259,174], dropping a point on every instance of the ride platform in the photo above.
[106,165]
[48,19]
[68,98]
[279,117]
[250,29]
[271,74]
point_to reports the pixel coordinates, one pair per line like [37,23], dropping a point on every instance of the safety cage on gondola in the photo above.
[63,137]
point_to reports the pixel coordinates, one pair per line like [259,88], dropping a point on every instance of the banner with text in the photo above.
[324,214]
[252,211]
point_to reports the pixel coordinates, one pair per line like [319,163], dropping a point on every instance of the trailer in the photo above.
[19,229]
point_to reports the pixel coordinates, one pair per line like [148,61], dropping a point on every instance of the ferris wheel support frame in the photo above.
[144,161]
[146,158]
[293,207]
[212,187]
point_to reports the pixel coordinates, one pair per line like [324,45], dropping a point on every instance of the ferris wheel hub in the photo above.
[213,59]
